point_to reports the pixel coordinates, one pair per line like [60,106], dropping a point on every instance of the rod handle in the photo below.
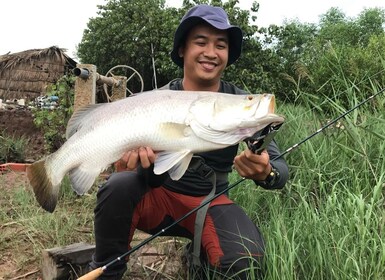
[92,275]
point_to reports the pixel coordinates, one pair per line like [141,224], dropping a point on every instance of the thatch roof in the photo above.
[27,74]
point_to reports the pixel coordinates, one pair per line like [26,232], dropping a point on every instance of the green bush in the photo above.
[12,149]
[53,122]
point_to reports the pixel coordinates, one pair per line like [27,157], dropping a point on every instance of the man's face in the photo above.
[205,54]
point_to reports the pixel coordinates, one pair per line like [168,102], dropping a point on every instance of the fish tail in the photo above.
[45,192]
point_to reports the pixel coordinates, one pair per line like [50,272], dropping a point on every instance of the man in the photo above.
[229,242]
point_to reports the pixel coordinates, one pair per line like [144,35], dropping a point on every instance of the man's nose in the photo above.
[210,51]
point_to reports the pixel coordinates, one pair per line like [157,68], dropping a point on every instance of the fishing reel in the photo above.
[259,141]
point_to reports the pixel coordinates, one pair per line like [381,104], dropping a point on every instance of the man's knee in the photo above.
[247,267]
[121,188]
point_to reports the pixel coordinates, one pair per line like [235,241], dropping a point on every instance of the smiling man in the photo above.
[225,241]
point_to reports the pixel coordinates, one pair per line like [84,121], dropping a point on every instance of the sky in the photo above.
[36,24]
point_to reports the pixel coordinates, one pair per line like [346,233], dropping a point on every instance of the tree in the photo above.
[125,31]
[328,58]
[343,54]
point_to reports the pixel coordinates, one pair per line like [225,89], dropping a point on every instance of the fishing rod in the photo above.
[256,143]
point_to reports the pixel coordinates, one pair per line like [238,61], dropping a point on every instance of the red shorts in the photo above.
[160,204]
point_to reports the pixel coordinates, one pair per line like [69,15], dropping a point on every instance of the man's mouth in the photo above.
[209,66]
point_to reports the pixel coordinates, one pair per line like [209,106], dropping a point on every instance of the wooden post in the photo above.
[119,92]
[85,88]
[69,262]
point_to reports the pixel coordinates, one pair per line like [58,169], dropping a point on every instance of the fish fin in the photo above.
[77,118]
[45,192]
[82,179]
[176,163]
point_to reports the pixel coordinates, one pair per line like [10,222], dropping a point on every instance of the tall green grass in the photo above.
[329,220]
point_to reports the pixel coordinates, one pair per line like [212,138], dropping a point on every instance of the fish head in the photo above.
[228,118]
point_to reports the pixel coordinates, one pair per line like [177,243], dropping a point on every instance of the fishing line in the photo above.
[99,271]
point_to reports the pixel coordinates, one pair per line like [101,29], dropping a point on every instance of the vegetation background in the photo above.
[329,221]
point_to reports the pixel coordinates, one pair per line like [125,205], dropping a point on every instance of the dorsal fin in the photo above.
[77,118]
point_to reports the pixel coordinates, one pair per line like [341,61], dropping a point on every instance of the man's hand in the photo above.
[253,166]
[130,160]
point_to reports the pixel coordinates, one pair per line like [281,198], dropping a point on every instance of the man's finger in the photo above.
[144,158]
[151,154]
[133,158]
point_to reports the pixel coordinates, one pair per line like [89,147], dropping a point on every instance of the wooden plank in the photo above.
[68,262]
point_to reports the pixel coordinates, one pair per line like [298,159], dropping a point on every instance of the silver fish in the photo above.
[175,124]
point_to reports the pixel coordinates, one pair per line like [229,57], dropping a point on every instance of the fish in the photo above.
[175,124]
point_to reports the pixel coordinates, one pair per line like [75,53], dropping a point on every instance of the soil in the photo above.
[18,122]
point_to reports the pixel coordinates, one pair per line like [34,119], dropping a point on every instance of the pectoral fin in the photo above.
[82,179]
[176,163]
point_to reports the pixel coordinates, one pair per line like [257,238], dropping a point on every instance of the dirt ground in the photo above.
[19,122]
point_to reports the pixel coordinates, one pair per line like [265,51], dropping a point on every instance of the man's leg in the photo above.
[233,243]
[116,201]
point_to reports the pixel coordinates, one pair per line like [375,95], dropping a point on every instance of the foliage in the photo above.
[287,44]
[125,30]
[12,149]
[53,121]
[340,53]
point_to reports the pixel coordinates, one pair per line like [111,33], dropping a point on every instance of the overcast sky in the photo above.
[35,24]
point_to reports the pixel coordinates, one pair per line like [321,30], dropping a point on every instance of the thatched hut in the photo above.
[27,74]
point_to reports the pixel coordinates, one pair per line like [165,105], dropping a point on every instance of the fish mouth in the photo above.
[271,108]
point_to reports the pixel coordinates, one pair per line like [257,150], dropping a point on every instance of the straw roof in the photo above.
[27,74]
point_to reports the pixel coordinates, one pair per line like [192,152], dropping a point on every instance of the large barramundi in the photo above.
[175,124]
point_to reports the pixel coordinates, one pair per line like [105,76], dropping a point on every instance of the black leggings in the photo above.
[231,243]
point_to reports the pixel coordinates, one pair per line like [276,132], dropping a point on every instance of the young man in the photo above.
[229,242]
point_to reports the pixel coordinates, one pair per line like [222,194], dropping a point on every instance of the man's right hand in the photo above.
[130,160]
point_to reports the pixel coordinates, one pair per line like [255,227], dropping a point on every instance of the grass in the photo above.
[327,223]
[26,229]
[12,148]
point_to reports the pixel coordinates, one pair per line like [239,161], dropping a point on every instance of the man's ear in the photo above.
[180,51]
